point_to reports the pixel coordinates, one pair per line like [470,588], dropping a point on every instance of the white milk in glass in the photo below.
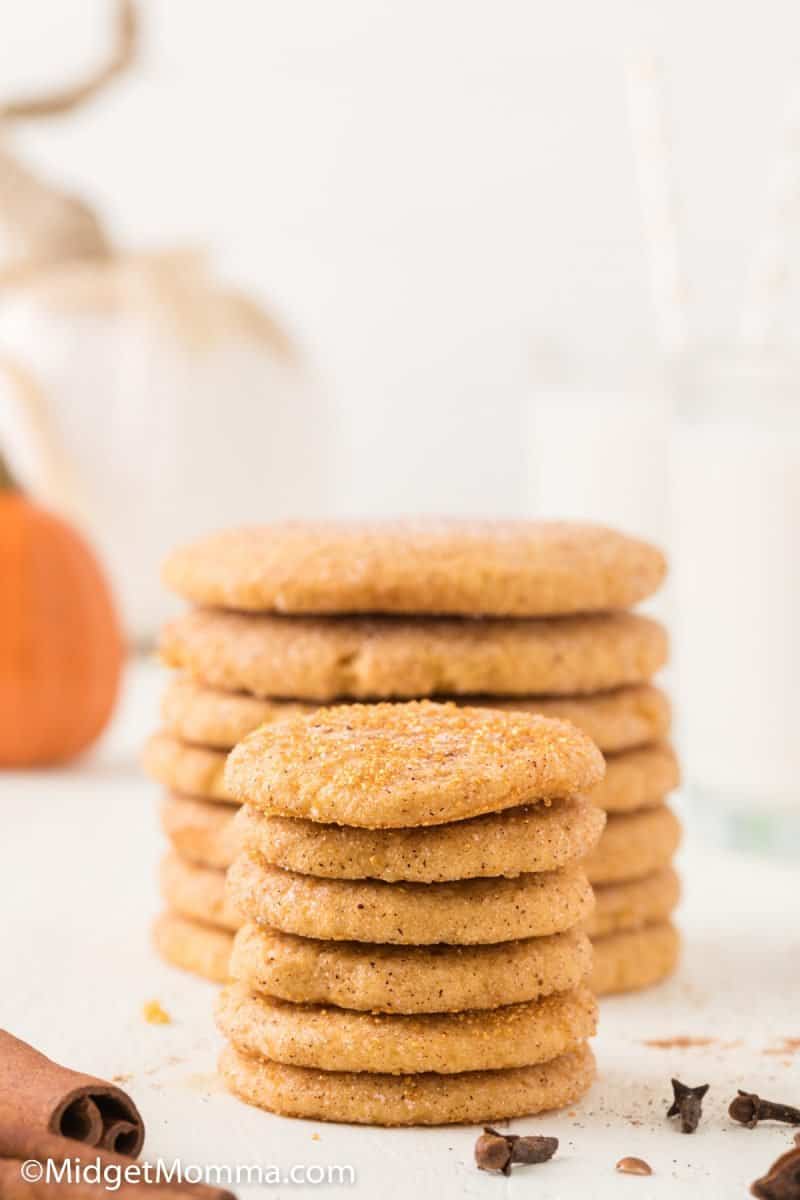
[602,455]
[736,572]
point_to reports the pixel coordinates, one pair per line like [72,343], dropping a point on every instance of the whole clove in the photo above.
[633,1166]
[782,1180]
[749,1109]
[687,1104]
[495,1151]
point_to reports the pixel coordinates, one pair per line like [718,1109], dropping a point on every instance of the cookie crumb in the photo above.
[790,1045]
[315,1137]
[154,1014]
[678,1043]
[633,1166]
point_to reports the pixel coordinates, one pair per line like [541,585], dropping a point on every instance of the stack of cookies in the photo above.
[636,888]
[524,616]
[412,951]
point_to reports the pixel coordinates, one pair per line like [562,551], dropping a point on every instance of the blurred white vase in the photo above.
[155,404]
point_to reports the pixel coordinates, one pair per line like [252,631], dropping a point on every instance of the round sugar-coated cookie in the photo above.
[390,765]
[408,979]
[372,658]
[198,893]
[637,779]
[467,912]
[633,845]
[623,906]
[361,1098]
[201,831]
[635,958]
[634,779]
[191,770]
[507,568]
[192,946]
[541,837]
[206,716]
[617,720]
[336,1039]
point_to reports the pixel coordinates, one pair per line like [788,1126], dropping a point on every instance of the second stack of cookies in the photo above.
[636,887]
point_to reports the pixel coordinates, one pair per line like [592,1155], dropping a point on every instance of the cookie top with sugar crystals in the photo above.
[395,765]
[435,567]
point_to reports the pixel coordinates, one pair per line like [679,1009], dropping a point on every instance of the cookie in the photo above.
[542,837]
[617,720]
[637,779]
[633,845]
[470,1098]
[192,946]
[202,832]
[390,765]
[624,906]
[207,716]
[336,1039]
[505,568]
[370,658]
[636,958]
[464,913]
[408,979]
[190,770]
[197,893]
[634,780]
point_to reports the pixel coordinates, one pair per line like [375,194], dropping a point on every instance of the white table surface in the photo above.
[77,862]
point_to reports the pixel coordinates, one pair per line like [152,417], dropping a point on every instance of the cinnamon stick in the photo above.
[19,1142]
[46,1096]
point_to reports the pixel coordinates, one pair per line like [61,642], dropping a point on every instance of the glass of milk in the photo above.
[601,454]
[735,550]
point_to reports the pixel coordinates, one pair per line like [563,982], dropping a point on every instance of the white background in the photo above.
[435,195]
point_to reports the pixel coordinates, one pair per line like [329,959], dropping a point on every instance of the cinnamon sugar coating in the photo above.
[192,946]
[467,912]
[200,831]
[541,837]
[520,568]
[390,765]
[408,979]
[368,658]
[634,845]
[635,958]
[336,1039]
[637,779]
[620,719]
[191,770]
[471,1097]
[538,838]
[197,893]
[635,903]
[634,779]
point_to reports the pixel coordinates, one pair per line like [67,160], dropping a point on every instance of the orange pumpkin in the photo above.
[61,648]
